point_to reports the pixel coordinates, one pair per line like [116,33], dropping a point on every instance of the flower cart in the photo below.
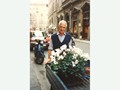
[58,84]
[69,69]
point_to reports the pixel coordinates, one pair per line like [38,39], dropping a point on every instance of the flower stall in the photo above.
[69,69]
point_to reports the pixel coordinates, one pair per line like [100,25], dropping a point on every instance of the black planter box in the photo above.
[58,84]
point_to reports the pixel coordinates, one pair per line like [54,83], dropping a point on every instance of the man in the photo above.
[58,39]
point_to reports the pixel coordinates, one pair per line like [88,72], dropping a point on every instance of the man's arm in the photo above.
[49,54]
[50,48]
[49,59]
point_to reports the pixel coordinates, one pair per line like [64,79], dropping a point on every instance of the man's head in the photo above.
[62,26]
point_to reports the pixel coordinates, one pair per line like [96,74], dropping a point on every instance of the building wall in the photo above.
[38,16]
[72,12]
[52,15]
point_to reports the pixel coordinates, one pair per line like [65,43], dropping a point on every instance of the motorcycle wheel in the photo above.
[39,60]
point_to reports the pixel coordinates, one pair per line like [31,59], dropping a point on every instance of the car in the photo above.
[47,39]
[35,36]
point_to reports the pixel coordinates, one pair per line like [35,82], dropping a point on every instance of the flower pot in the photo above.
[60,82]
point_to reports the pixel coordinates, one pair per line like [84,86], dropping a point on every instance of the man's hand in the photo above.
[49,59]
[46,61]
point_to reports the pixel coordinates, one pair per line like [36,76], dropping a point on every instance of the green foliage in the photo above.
[72,63]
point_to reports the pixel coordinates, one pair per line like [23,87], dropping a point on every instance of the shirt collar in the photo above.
[59,34]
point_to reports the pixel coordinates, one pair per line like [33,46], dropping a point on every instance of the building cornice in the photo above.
[52,13]
[68,3]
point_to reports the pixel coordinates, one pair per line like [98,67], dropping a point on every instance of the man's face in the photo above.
[62,28]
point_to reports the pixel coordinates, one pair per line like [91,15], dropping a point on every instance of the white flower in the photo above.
[52,58]
[70,47]
[53,53]
[60,57]
[77,51]
[55,62]
[80,52]
[63,47]
[58,51]
[68,50]
[73,64]
[57,54]
[86,56]
[74,56]
[76,61]
[74,47]
[64,53]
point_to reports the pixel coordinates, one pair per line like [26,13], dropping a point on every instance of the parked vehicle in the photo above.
[37,35]
[47,39]
[39,52]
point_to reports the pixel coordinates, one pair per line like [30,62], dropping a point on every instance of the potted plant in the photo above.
[70,65]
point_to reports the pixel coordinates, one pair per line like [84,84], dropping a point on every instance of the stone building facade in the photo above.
[39,16]
[75,12]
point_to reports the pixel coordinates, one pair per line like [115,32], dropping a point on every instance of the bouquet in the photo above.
[69,61]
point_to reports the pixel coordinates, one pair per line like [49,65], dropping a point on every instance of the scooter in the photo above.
[39,52]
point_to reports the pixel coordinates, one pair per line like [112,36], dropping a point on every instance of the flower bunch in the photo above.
[70,61]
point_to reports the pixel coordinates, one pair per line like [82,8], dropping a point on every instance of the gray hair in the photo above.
[63,21]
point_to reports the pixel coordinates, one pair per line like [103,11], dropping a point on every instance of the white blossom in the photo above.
[53,53]
[57,54]
[74,47]
[77,51]
[63,47]
[86,56]
[55,62]
[73,64]
[58,51]
[76,61]
[70,47]
[52,58]
[74,57]
[64,53]
[60,57]
[68,50]
[80,52]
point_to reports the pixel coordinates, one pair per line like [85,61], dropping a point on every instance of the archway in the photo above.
[61,17]
[67,20]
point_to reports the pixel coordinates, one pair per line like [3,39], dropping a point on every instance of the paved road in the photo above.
[83,45]
[38,80]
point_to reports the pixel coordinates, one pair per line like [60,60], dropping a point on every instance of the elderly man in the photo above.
[58,39]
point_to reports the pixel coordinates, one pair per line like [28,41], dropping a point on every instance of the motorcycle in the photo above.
[39,52]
